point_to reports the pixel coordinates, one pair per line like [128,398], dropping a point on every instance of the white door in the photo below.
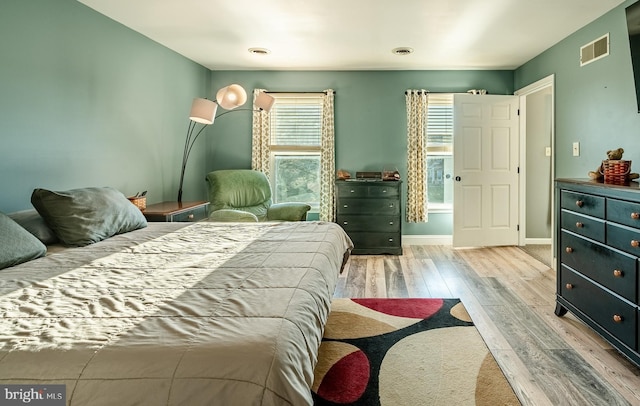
[485,163]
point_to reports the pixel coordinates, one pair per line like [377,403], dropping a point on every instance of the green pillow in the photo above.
[17,245]
[33,222]
[85,216]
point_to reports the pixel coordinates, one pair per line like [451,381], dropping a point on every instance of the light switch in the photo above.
[576,149]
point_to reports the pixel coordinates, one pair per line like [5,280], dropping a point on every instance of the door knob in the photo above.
[458,178]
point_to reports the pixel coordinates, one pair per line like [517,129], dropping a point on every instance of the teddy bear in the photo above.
[614,154]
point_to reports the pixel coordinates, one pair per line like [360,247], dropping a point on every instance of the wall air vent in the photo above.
[594,50]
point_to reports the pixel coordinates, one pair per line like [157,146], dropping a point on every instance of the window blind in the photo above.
[440,120]
[296,120]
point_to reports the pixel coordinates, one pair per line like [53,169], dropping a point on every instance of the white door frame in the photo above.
[543,83]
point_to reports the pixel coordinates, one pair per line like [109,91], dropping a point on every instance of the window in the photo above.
[440,152]
[295,141]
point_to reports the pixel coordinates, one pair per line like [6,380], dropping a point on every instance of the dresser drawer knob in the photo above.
[617,273]
[391,223]
[345,223]
[391,205]
[384,190]
[345,206]
[617,318]
[569,286]
[190,216]
[569,250]
[579,203]
[635,216]
[390,239]
[579,225]
[635,243]
[352,191]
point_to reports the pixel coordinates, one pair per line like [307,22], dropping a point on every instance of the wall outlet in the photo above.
[576,149]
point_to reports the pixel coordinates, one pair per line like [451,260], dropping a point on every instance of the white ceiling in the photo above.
[356,34]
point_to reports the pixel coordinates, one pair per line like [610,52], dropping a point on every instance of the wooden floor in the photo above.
[510,296]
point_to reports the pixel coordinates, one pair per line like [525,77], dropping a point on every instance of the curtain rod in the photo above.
[428,92]
[276,92]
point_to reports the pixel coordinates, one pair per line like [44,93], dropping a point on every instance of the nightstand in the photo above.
[176,212]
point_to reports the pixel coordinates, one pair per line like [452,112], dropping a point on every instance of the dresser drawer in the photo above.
[588,226]
[369,206]
[583,203]
[381,189]
[612,313]
[369,223]
[369,239]
[623,238]
[613,269]
[623,212]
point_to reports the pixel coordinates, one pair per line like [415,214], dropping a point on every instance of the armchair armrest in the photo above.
[288,211]
[231,215]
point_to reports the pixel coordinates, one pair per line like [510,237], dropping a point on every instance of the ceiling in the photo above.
[356,34]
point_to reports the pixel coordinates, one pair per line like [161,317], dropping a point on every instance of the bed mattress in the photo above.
[175,314]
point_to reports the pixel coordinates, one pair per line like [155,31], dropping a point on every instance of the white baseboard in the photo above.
[535,241]
[427,239]
[448,240]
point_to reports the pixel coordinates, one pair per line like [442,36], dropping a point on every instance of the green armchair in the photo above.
[245,195]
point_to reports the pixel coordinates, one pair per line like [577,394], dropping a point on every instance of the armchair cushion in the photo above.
[233,215]
[288,212]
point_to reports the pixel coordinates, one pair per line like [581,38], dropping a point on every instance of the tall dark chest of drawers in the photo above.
[598,247]
[370,213]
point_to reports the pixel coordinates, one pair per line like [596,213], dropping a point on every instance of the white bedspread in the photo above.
[175,314]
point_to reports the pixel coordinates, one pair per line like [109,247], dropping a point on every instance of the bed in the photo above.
[175,314]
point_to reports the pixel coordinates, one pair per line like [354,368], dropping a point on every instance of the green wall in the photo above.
[595,104]
[370,117]
[85,101]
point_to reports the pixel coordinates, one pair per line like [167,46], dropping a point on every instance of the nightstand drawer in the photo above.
[582,203]
[369,223]
[588,226]
[615,315]
[613,269]
[196,214]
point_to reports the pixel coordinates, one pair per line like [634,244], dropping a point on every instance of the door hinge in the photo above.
[518,169]
[518,227]
[518,111]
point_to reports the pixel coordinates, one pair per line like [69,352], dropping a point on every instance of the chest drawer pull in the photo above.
[391,205]
[579,203]
[345,223]
[579,225]
[635,243]
[617,318]
[190,216]
[617,273]
[569,250]
[345,206]
[390,239]
[391,223]
[569,286]
[635,216]
[352,191]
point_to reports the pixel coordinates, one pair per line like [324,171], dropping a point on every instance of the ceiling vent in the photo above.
[594,50]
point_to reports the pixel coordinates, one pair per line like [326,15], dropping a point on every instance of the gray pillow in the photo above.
[33,222]
[85,216]
[17,245]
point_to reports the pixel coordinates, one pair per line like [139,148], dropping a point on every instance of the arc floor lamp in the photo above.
[203,111]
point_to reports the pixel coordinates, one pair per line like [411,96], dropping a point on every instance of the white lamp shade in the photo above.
[231,97]
[203,111]
[264,101]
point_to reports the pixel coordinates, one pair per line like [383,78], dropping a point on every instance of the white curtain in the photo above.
[260,150]
[417,103]
[327,158]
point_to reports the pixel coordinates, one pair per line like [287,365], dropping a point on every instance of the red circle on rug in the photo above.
[412,308]
[353,368]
